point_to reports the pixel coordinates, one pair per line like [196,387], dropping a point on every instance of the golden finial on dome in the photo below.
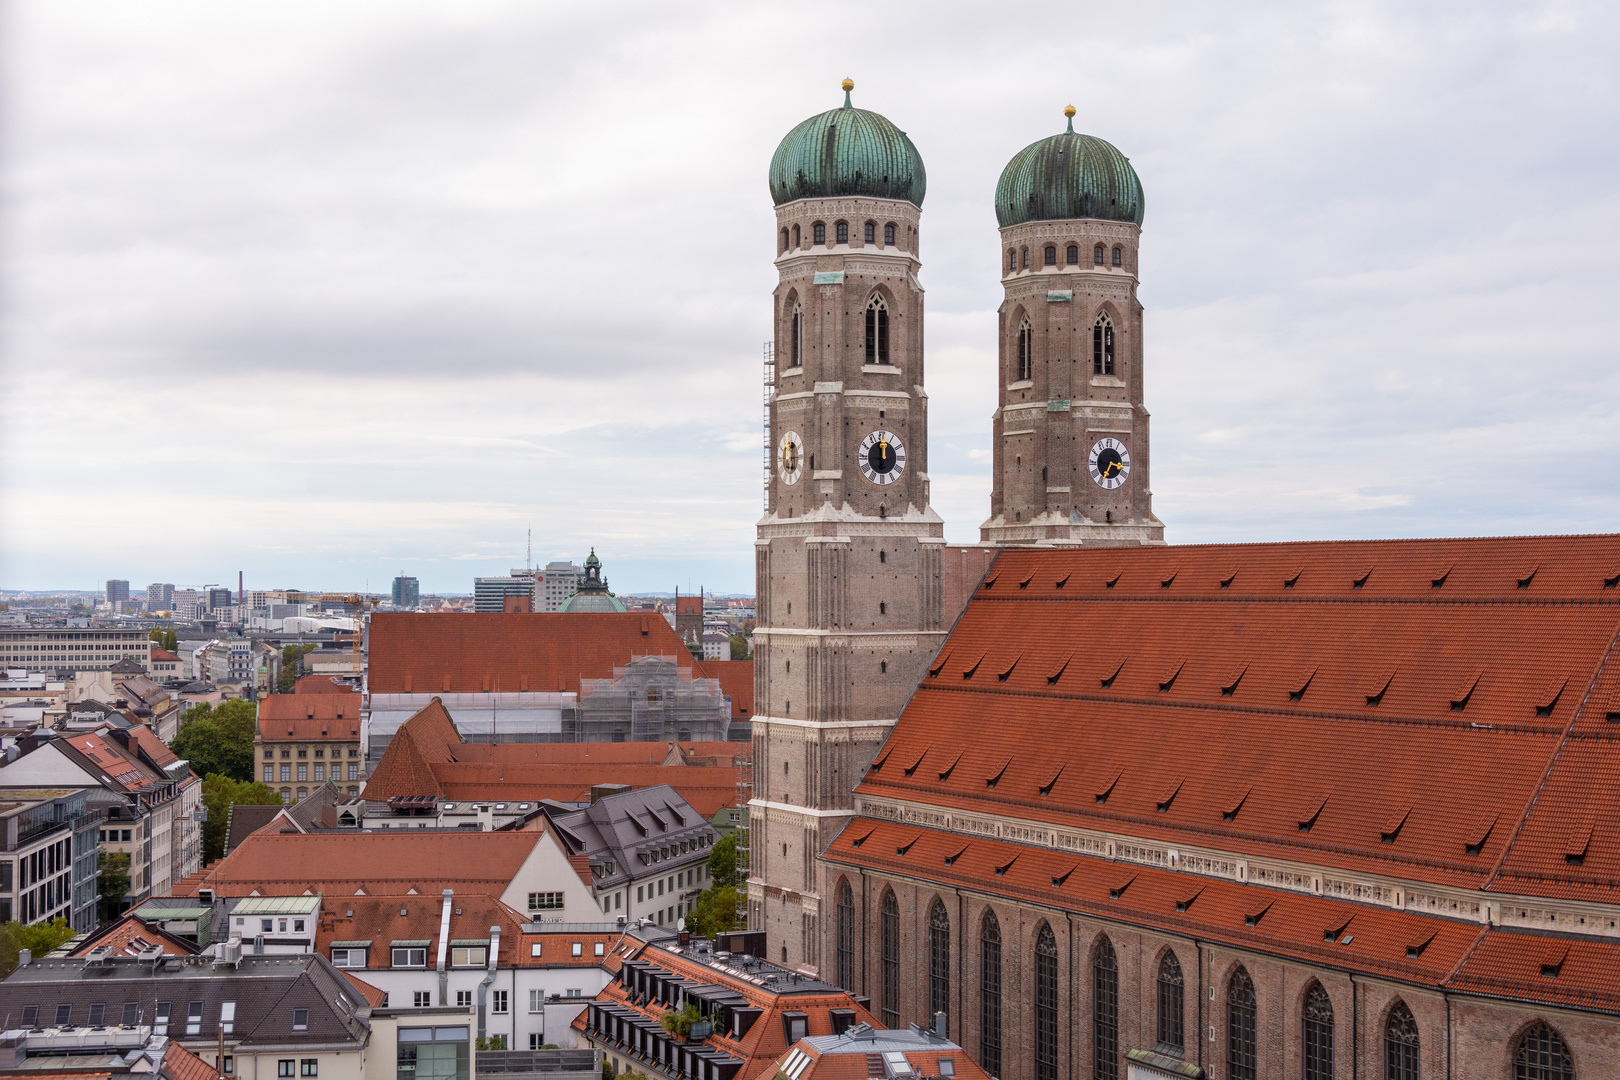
[848,85]
[1068,110]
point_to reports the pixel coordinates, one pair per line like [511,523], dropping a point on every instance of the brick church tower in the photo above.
[849,553]
[1071,432]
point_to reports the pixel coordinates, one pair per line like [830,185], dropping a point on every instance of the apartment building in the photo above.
[305,740]
[48,848]
[59,649]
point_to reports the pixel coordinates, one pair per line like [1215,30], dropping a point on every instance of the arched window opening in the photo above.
[1542,1055]
[939,959]
[1118,257]
[888,235]
[1071,255]
[795,236]
[990,993]
[1046,1004]
[1102,346]
[846,934]
[1012,260]
[877,331]
[1400,1044]
[796,349]
[883,556]
[1172,994]
[1050,254]
[819,231]
[889,946]
[843,232]
[1318,1034]
[1026,352]
[784,240]
[1097,255]
[1104,1012]
[1242,1051]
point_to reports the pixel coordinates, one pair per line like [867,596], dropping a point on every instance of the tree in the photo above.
[219,740]
[680,1023]
[219,794]
[40,939]
[113,885]
[156,635]
[715,911]
[292,665]
[723,868]
[171,640]
[739,647]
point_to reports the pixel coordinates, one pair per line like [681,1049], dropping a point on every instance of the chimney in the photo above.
[602,791]
[942,1025]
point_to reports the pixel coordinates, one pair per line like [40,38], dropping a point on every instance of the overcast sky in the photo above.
[326,292]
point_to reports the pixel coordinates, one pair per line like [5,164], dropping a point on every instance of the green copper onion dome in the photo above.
[1068,176]
[847,151]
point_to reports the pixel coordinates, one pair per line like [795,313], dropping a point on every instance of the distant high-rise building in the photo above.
[220,598]
[556,583]
[117,592]
[490,593]
[160,596]
[407,592]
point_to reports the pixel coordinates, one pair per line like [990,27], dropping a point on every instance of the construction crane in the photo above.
[359,603]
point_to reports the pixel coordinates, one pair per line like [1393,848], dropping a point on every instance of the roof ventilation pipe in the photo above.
[489,975]
[444,948]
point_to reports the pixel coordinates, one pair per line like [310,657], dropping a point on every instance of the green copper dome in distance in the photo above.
[847,151]
[1068,176]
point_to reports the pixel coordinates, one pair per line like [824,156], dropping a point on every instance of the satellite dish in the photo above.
[680,924]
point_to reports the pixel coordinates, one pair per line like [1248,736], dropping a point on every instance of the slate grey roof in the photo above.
[636,830]
[266,989]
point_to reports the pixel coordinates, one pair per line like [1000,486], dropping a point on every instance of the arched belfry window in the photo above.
[1104,1011]
[1046,1004]
[888,235]
[795,236]
[784,240]
[843,232]
[877,331]
[1026,352]
[1102,346]
[1400,1044]
[1026,258]
[846,934]
[939,959]
[819,231]
[1318,1035]
[1072,255]
[1012,260]
[1542,1055]
[796,337]
[871,232]
[1097,255]
[1242,1048]
[1172,1002]
[1050,255]
[889,947]
[990,993]
[1119,257]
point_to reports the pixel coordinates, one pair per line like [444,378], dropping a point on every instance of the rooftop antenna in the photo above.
[528,556]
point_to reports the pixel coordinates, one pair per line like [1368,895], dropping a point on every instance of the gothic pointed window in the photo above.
[1097,255]
[877,331]
[1050,255]
[796,338]
[1118,257]
[1046,1004]
[871,232]
[888,235]
[846,934]
[1542,1055]
[1400,1044]
[1102,346]
[843,232]
[1072,255]
[1171,1004]
[1104,1011]
[1241,1041]
[1026,349]
[990,994]
[1317,1035]
[889,942]
[939,959]
[819,231]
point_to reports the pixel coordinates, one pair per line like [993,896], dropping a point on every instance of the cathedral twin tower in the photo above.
[856,586]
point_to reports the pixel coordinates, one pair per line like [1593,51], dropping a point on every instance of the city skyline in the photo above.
[373,294]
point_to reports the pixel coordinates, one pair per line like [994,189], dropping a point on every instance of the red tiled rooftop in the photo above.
[736,682]
[322,684]
[308,715]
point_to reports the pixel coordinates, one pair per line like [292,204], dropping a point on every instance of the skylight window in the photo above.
[895,1064]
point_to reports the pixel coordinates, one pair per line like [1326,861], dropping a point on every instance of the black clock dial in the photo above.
[1109,463]
[881,458]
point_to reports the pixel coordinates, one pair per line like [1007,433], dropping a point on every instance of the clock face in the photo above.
[790,457]
[882,457]
[1110,463]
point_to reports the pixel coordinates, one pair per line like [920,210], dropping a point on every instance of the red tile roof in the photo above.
[181,1064]
[377,919]
[1256,699]
[436,653]
[308,715]
[130,936]
[165,655]
[850,1062]
[322,684]
[370,994]
[736,682]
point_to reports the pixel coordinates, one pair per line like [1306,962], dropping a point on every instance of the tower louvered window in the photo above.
[1318,1035]
[846,935]
[877,331]
[1026,350]
[819,231]
[1104,1012]
[939,959]
[796,354]
[888,235]
[843,232]
[1542,1055]
[1172,1001]
[1072,255]
[1241,1043]
[1097,255]
[1046,1004]
[1118,257]
[1102,346]
[871,232]
[1050,255]
[889,935]
[990,994]
[1400,1044]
